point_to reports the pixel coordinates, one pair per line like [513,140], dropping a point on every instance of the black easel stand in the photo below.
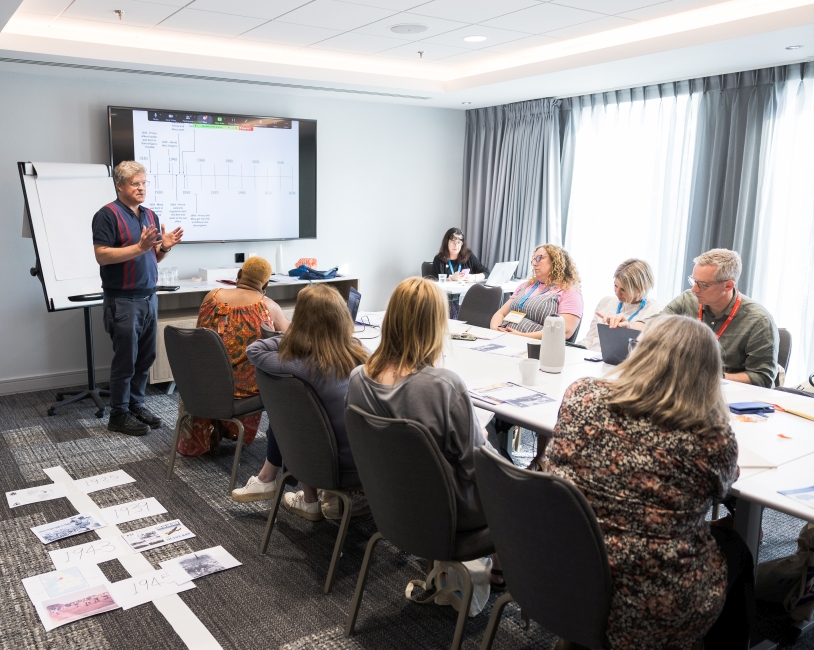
[96,394]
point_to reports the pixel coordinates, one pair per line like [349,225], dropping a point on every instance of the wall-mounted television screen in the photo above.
[220,176]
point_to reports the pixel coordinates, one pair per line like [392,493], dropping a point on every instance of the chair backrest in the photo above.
[479,305]
[784,353]
[267,333]
[408,484]
[202,371]
[573,337]
[301,428]
[426,269]
[551,548]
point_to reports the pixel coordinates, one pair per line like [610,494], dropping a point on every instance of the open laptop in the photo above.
[501,273]
[354,297]
[614,342]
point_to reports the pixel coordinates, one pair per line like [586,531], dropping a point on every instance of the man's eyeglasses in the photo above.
[537,258]
[141,184]
[702,285]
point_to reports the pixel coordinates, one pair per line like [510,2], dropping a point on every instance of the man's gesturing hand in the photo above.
[170,239]
[148,238]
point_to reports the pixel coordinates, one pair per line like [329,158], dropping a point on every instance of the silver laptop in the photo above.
[501,273]
[615,342]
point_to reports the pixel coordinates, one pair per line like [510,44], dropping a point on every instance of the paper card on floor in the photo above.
[132,510]
[36,494]
[103,481]
[74,525]
[69,594]
[803,495]
[95,552]
[202,563]
[748,458]
[161,534]
[148,586]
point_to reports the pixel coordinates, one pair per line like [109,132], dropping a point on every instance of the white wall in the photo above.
[389,185]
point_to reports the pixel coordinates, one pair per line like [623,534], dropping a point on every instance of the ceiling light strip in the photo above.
[197,77]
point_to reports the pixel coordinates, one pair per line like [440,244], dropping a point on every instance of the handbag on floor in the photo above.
[447,584]
[790,579]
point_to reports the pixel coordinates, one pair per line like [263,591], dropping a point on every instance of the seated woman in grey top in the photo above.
[319,348]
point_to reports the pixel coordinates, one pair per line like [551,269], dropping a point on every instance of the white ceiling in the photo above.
[531,48]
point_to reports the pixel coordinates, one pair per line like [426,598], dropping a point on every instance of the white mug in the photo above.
[528,371]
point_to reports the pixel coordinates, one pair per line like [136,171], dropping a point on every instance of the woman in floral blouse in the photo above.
[651,447]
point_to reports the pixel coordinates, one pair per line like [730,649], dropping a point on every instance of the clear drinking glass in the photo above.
[442,277]
[173,275]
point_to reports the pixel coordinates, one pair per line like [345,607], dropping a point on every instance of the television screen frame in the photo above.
[122,142]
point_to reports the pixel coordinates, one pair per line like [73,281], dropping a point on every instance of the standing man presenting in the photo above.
[128,247]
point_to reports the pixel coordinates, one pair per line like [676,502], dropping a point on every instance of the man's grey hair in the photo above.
[728,263]
[125,170]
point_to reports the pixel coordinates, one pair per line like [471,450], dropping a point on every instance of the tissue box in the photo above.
[220,273]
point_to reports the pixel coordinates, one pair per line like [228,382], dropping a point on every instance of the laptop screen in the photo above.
[353,303]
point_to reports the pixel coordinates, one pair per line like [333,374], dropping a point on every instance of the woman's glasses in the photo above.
[631,345]
[455,241]
[537,258]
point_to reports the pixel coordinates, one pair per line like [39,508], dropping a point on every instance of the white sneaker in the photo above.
[255,490]
[332,505]
[296,505]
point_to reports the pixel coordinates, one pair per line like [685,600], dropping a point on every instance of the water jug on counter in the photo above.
[552,345]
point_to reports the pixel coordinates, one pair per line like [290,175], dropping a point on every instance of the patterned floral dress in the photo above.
[238,327]
[651,489]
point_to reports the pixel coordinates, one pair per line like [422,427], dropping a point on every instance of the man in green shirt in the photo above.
[746,331]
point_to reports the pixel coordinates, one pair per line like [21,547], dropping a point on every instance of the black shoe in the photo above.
[127,424]
[143,415]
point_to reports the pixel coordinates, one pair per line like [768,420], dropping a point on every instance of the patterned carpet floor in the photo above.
[273,600]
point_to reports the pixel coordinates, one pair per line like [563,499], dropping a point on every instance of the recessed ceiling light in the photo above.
[474,39]
[408,28]
[466,103]
[794,47]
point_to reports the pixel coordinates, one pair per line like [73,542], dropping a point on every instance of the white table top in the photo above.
[792,454]
[460,288]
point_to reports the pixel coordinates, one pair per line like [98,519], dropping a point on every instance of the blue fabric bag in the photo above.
[304,273]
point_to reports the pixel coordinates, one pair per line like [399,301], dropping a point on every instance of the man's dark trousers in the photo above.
[132,323]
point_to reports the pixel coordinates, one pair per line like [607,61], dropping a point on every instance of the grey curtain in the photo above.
[511,189]
[735,123]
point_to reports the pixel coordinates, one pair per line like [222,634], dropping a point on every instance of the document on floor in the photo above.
[132,510]
[202,563]
[146,587]
[161,534]
[69,594]
[95,552]
[104,481]
[804,495]
[509,393]
[36,494]
[75,525]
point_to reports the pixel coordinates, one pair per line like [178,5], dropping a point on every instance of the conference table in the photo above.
[774,454]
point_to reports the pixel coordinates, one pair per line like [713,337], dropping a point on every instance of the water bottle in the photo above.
[552,345]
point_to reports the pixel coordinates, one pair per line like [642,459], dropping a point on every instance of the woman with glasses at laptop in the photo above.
[456,261]
[632,282]
[552,289]
[650,447]
[320,349]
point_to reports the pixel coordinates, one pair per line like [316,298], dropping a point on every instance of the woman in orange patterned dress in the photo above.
[236,315]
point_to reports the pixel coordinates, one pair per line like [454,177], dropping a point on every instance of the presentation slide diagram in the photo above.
[220,177]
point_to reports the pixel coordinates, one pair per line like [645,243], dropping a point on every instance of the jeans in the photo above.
[132,324]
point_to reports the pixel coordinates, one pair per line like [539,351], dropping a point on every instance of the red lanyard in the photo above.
[734,311]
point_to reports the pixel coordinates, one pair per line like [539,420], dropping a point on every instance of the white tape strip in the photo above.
[188,626]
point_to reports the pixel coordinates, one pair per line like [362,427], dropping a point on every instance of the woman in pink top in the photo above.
[552,289]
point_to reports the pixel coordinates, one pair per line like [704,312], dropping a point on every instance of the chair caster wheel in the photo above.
[100,414]
[60,397]
[52,411]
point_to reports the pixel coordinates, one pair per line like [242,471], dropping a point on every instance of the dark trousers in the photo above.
[732,628]
[132,324]
[273,454]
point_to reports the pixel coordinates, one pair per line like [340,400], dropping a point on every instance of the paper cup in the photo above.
[528,371]
[534,349]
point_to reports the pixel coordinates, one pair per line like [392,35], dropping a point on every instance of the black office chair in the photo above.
[784,352]
[267,333]
[573,337]
[308,445]
[416,515]
[479,305]
[555,562]
[426,269]
[203,374]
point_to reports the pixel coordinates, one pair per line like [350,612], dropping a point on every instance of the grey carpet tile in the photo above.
[274,600]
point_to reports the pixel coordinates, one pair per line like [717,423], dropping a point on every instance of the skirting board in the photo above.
[55,380]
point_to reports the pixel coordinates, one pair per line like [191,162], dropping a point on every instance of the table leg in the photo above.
[748,517]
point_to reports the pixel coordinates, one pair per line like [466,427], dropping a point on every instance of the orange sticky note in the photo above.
[784,436]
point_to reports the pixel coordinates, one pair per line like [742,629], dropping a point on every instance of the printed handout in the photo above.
[36,494]
[148,586]
[103,481]
[491,348]
[202,563]
[133,510]
[75,525]
[510,393]
[803,495]
[69,594]
[161,534]
[95,552]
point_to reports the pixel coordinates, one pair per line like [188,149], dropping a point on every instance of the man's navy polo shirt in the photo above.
[117,226]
